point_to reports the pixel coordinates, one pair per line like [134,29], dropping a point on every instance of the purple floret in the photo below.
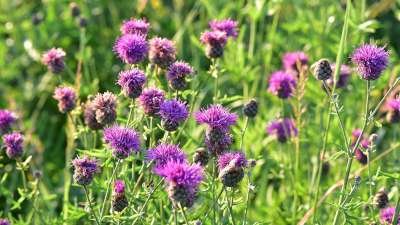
[14,144]
[229,26]
[282,84]
[179,69]
[122,140]
[131,82]
[162,52]
[135,26]
[54,60]
[7,119]
[84,169]
[151,100]
[163,153]
[370,60]
[283,129]
[131,48]
[66,98]
[178,173]
[291,61]
[386,215]
[215,42]
[394,104]
[238,159]
[173,112]
[216,117]
[119,187]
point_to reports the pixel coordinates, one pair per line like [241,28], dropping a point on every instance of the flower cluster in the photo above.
[123,141]
[282,129]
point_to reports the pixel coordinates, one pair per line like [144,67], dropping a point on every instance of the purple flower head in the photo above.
[135,26]
[293,60]
[131,48]
[237,159]
[122,140]
[344,75]
[217,141]
[163,153]
[386,215]
[216,117]
[66,98]
[173,112]
[178,173]
[7,119]
[282,84]
[177,73]
[84,169]
[361,156]
[151,100]
[215,42]
[283,129]
[54,60]
[14,144]
[131,82]
[162,52]
[101,111]
[4,222]
[370,60]
[119,187]
[229,26]
[119,201]
[394,104]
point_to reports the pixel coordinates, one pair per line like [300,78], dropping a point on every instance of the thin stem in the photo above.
[21,167]
[184,214]
[213,192]
[396,214]
[229,203]
[246,122]
[247,199]
[131,106]
[108,189]
[90,204]
[147,201]
[175,216]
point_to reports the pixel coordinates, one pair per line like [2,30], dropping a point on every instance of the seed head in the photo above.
[322,69]
[251,108]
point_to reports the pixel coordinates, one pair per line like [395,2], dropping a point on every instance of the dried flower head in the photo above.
[54,60]
[163,153]
[162,52]
[135,26]
[282,84]
[173,113]
[131,48]
[66,98]
[132,82]
[122,140]
[228,26]
[151,100]
[7,119]
[283,129]
[381,199]
[14,144]
[101,111]
[214,42]
[216,117]
[177,73]
[251,108]
[84,170]
[322,69]
[370,60]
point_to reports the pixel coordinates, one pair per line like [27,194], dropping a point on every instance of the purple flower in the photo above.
[361,156]
[217,141]
[393,110]
[7,118]
[293,60]
[237,159]
[131,48]
[215,42]
[122,140]
[162,52]
[386,215]
[173,112]
[344,74]
[282,84]
[393,104]
[283,129]
[229,26]
[370,60]
[54,60]
[84,170]
[119,201]
[101,111]
[163,153]
[135,26]
[119,187]
[66,98]
[131,82]
[4,222]
[216,117]
[176,74]
[14,144]
[150,100]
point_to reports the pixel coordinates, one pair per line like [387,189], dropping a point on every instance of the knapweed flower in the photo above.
[173,113]
[119,201]
[4,222]
[135,26]
[229,26]
[183,181]
[131,82]
[131,48]
[66,98]
[393,110]
[216,117]
[363,145]
[231,168]
[162,52]
[282,84]
[14,144]
[151,100]
[101,111]
[84,170]
[177,73]
[294,61]
[370,60]
[251,108]
[381,199]
[201,157]
[386,215]
[214,42]
[122,140]
[7,119]
[54,60]
[217,141]
[322,69]
[282,129]
[163,153]
[342,80]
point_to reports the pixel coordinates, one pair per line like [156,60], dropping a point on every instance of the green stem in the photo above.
[229,203]
[184,214]
[103,206]
[396,214]
[247,199]
[90,205]
[246,122]
[131,106]
[21,166]
[142,209]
